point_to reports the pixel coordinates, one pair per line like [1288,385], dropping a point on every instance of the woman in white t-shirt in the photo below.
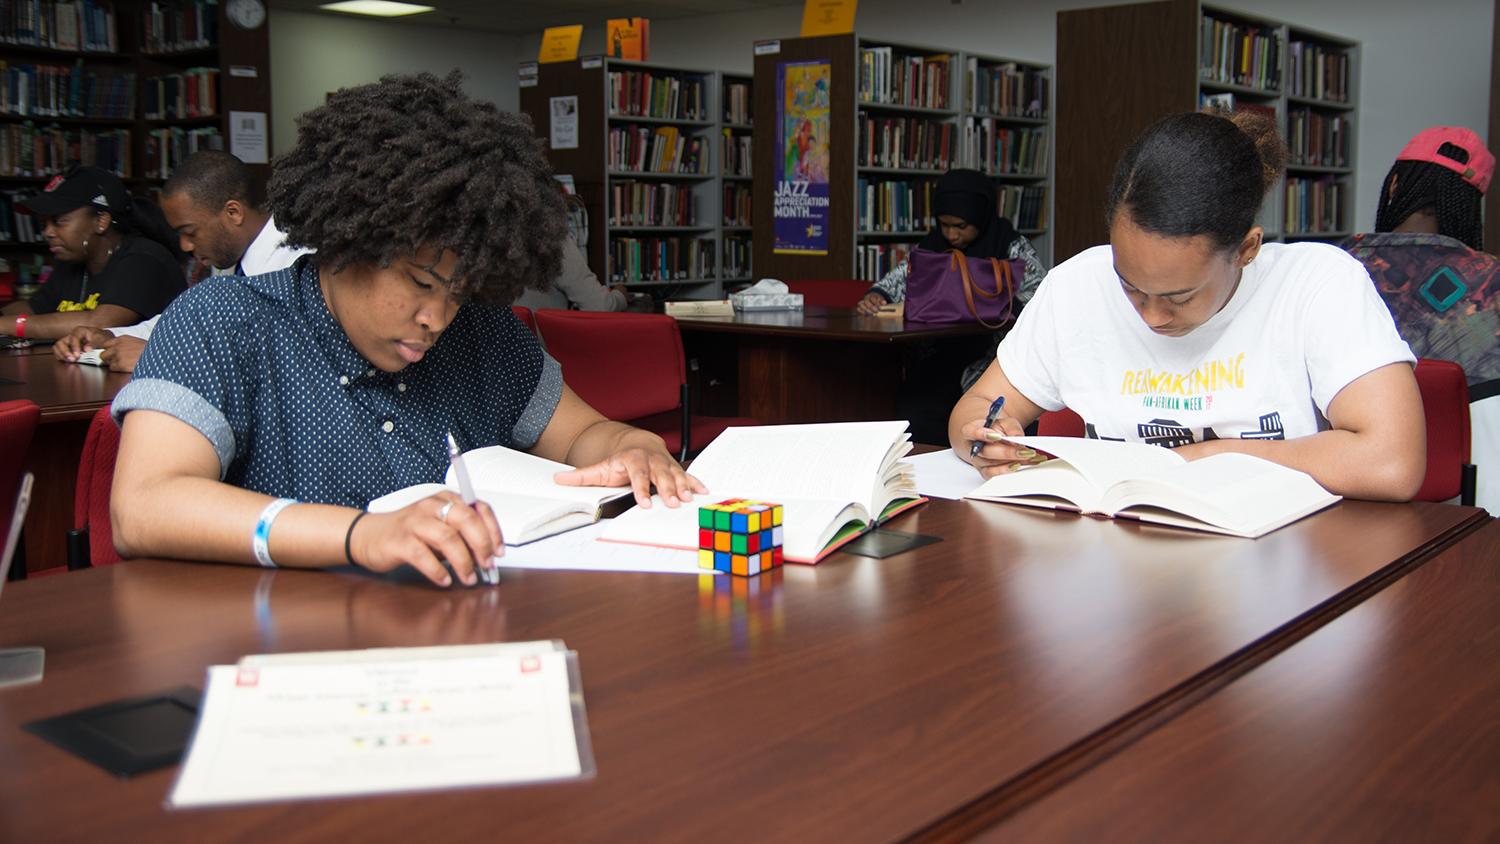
[1188,331]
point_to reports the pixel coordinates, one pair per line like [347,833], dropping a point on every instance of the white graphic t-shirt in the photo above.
[1304,323]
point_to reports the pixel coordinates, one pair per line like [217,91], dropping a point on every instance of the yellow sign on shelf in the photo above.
[827,17]
[560,44]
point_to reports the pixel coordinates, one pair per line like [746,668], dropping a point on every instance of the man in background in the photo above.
[212,203]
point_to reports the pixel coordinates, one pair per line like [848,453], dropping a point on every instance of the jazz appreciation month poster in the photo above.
[802,122]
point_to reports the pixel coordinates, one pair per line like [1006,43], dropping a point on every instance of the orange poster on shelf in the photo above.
[560,44]
[827,17]
[629,38]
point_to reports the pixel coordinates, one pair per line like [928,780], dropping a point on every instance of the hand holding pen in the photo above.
[485,568]
[994,432]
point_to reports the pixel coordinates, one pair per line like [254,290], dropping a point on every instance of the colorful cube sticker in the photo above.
[739,537]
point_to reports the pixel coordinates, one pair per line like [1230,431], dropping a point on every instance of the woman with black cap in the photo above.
[966,205]
[115,258]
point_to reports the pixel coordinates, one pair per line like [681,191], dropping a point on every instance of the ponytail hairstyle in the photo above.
[1425,186]
[1199,173]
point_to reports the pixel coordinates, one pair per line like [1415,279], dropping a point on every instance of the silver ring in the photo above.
[443,513]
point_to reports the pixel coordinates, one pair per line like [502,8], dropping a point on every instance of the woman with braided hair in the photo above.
[1443,291]
[297,396]
[1190,332]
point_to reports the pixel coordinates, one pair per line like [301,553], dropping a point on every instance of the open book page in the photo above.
[840,461]
[578,550]
[1238,492]
[1103,463]
[943,474]
[1051,484]
[522,518]
[498,467]
[806,526]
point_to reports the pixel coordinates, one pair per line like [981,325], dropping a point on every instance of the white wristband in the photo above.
[260,541]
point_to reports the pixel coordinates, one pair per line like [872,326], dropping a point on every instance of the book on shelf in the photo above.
[641,93]
[1239,54]
[634,203]
[629,39]
[1319,72]
[737,103]
[1229,493]
[895,206]
[905,142]
[833,480]
[736,154]
[635,259]
[1005,89]
[80,25]
[528,503]
[177,25]
[889,77]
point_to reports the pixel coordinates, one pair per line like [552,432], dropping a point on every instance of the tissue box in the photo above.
[768,294]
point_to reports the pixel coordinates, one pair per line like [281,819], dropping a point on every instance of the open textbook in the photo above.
[1235,494]
[834,481]
[519,487]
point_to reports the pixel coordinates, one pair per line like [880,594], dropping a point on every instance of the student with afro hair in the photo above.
[267,412]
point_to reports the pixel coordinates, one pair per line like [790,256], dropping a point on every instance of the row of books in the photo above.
[17,226]
[28,150]
[736,205]
[654,149]
[634,203]
[168,146]
[891,206]
[1025,206]
[873,260]
[887,77]
[995,148]
[177,96]
[1239,54]
[1007,89]
[176,25]
[633,259]
[641,93]
[736,154]
[1314,206]
[737,256]
[1317,140]
[81,25]
[737,104]
[905,142]
[1319,72]
[44,90]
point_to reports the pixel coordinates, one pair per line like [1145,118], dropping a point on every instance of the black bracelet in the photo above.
[349,534]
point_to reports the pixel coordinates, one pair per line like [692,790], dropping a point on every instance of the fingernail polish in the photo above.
[1040,458]
[993,436]
[1025,454]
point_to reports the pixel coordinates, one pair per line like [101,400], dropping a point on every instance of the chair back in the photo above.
[18,421]
[96,476]
[525,315]
[1445,403]
[835,292]
[1060,423]
[624,365]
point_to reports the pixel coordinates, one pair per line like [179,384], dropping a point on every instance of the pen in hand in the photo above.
[989,420]
[466,491]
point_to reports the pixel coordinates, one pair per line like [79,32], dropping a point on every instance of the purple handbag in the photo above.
[949,287]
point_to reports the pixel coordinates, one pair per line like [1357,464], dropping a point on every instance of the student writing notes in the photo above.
[1188,331]
[266,412]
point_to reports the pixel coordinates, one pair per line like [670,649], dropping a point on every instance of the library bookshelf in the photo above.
[667,208]
[1184,55]
[901,116]
[132,86]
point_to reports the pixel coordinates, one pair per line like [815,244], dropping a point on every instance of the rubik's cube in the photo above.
[739,537]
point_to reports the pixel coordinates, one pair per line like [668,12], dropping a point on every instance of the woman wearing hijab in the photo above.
[115,259]
[966,206]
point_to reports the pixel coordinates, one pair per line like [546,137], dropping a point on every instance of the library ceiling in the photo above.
[525,17]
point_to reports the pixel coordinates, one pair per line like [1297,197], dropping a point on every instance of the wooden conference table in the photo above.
[817,364]
[916,698]
[69,395]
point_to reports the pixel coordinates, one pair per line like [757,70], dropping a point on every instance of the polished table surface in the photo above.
[860,700]
[819,364]
[69,395]
[1382,726]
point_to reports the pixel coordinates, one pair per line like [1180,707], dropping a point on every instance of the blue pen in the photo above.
[989,420]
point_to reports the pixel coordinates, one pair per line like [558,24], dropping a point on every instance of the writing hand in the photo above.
[640,468]
[998,458]
[421,534]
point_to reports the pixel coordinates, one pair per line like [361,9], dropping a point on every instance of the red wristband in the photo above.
[20,326]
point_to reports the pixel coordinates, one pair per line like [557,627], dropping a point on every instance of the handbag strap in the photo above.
[970,288]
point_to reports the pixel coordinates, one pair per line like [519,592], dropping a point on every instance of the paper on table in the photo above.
[943,474]
[290,731]
[578,550]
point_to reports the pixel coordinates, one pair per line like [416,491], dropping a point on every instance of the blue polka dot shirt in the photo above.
[260,368]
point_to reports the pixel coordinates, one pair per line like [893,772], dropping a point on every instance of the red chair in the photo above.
[630,367]
[525,314]
[836,292]
[1445,403]
[18,420]
[92,541]
[1060,423]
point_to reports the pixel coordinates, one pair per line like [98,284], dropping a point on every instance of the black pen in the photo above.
[989,420]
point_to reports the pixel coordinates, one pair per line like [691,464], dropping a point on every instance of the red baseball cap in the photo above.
[1424,147]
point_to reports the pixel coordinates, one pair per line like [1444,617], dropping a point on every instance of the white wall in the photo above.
[313,54]
[1424,65]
